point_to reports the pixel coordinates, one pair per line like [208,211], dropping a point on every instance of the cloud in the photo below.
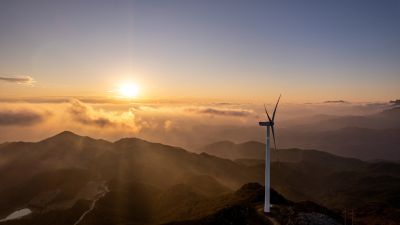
[336,101]
[27,80]
[20,118]
[220,112]
[87,115]
[168,125]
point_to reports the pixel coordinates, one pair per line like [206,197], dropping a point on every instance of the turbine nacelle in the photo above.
[271,121]
[266,123]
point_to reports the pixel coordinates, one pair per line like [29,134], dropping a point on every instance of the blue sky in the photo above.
[308,50]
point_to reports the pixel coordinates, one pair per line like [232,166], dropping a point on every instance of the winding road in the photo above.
[103,189]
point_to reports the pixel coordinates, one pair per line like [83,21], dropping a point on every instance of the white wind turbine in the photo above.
[269,124]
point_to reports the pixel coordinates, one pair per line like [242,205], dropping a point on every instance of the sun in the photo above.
[128,90]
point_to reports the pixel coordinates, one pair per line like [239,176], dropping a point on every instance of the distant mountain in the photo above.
[367,137]
[230,150]
[386,119]
[363,143]
[256,151]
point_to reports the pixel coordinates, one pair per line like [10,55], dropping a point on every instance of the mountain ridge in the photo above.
[63,176]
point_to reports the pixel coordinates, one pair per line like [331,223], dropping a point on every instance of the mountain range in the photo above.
[71,179]
[366,137]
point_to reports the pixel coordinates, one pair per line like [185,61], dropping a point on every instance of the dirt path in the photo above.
[102,192]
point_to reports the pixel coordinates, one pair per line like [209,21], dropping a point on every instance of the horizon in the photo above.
[163,70]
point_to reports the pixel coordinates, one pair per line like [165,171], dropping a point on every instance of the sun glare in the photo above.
[128,90]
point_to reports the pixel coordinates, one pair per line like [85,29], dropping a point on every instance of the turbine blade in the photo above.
[273,135]
[276,106]
[269,118]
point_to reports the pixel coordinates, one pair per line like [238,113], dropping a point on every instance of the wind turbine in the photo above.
[269,124]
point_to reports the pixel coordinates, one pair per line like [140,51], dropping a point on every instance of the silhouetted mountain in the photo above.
[322,177]
[230,150]
[127,160]
[254,151]
[250,211]
[69,178]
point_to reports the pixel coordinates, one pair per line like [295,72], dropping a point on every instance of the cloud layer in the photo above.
[220,112]
[20,118]
[27,80]
[185,124]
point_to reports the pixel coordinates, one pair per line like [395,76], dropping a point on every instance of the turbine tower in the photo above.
[269,124]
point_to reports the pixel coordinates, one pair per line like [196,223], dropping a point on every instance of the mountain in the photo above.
[69,179]
[60,171]
[252,152]
[230,150]
[322,177]
[366,137]
[363,143]
[250,211]
[244,206]
[129,159]
[206,185]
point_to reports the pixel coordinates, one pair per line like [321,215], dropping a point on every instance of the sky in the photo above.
[310,51]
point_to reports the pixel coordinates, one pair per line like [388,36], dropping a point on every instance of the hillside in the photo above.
[230,150]
[67,177]
[254,151]
[322,177]
[84,160]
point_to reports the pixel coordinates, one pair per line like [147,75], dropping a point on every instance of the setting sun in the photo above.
[128,90]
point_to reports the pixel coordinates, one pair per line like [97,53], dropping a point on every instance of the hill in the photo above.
[69,178]
[230,150]
[85,163]
[252,152]
[322,177]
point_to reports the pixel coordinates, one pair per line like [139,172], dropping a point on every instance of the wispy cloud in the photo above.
[87,115]
[220,112]
[20,118]
[26,80]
